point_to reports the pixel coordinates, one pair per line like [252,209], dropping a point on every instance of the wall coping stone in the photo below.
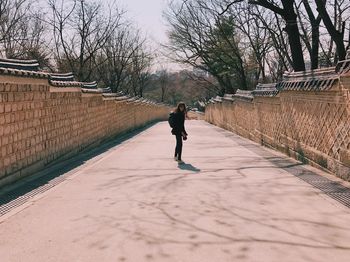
[228,97]
[310,74]
[267,90]
[23,73]
[218,99]
[244,94]
[343,67]
[91,91]
[66,77]
[17,64]
[315,84]
[121,98]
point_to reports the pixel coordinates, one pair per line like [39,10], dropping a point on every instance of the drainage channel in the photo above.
[23,193]
[333,189]
[330,188]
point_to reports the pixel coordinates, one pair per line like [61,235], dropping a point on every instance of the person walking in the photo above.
[178,129]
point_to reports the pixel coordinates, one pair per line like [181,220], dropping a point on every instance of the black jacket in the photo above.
[179,124]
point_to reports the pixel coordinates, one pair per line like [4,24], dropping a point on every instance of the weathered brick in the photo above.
[8,107]
[36,124]
[315,126]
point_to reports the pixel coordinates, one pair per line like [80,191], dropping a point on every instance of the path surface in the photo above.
[231,201]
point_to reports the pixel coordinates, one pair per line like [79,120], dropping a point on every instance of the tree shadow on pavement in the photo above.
[18,193]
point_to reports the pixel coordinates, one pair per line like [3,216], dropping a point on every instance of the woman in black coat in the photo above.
[179,129]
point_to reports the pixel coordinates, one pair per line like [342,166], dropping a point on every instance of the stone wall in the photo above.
[192,115]
[40,124]
[306,116]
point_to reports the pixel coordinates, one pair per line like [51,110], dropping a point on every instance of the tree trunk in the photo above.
[289,15]
[315,34]
[315,44]
[295,46]
[223,87]
[293,35]
[337,36]
[242,75]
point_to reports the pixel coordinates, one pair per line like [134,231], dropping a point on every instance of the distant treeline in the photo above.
[243,42]
[91,38]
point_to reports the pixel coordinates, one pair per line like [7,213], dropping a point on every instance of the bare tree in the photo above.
[336,29]
[257,37]
[139,71]
[307,18]
[292,13]
[22,32]
[288,13]
[201,38]
[88,37]
[163,79]
[12,14]
[80,29]
[115,59]
[144,80]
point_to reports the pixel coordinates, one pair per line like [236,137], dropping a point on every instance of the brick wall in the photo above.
[311,125]
[40,124]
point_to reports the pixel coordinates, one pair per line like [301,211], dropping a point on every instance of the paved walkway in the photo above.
[231,201]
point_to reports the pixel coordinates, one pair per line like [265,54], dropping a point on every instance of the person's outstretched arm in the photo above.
[183,127]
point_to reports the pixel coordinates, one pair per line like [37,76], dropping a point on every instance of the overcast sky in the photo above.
[148,16]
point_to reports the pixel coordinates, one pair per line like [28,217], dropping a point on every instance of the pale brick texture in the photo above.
[40,124]
[311,126]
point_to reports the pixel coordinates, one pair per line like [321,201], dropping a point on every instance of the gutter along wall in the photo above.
[306,116]
[41,122]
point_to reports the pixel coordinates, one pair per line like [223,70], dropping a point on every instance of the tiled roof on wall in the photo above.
[26,65]
[244,94]
[266,90]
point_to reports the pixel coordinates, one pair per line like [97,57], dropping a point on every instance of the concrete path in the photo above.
[231,201]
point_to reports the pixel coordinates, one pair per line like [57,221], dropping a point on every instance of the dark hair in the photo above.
[177,110]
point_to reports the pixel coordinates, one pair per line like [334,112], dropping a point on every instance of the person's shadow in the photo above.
[188,167]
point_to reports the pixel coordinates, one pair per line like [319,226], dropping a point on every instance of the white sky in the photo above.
[148,16]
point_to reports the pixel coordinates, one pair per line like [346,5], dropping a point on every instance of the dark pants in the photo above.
[178,148]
